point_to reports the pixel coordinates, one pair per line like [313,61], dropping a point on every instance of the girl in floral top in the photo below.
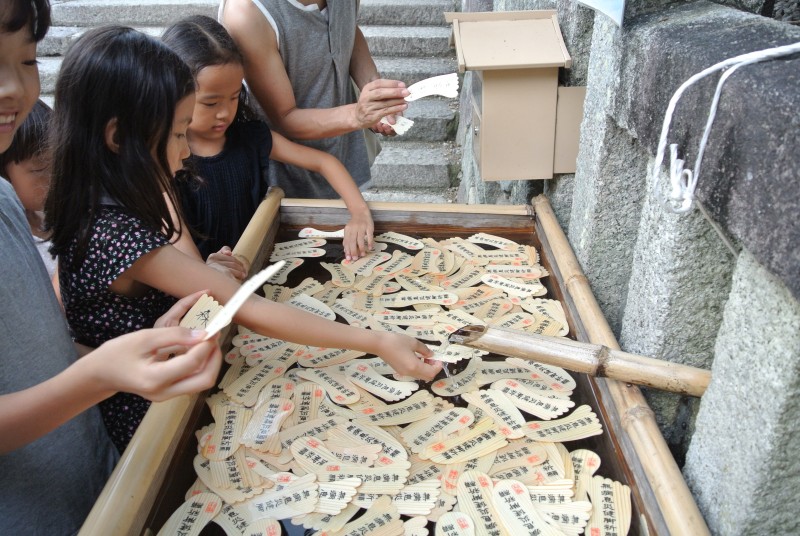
[123,104]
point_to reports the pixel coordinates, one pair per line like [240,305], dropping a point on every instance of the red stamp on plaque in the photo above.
[464,420]
[210,507]
[283,479]
[333,468]
[368,411]
[438,447]
[361,368]
[287,406]
[313,443]
[483,481]
[463,524]
[318,393]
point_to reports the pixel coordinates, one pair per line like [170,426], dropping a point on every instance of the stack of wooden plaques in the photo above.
[335,441]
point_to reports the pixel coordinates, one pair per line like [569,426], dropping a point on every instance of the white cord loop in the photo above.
[684,181]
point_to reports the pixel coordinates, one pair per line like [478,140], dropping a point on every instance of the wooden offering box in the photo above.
[156,470]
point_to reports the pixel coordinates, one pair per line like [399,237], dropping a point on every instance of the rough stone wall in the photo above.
[668,284]
[743,464]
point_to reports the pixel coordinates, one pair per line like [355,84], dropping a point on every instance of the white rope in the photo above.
[684,181]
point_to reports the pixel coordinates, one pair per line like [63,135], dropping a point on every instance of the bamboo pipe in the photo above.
[592,359]
[678,508]
[249,244]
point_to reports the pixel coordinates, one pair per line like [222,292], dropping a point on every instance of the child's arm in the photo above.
[130,363]
[170,271]
[358,239]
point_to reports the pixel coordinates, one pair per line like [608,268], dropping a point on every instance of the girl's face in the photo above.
[30,179]
[178,147]
[218,89]
[19,81]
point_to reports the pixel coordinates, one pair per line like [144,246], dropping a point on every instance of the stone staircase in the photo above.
[409,41]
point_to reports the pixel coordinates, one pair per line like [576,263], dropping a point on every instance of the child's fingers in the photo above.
[150,341]
[427,371]
[422,349]
[193,371]
[176,312]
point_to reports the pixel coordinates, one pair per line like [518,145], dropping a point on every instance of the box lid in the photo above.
[512,40]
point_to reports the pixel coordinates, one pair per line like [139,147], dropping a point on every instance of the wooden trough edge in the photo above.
[643,439]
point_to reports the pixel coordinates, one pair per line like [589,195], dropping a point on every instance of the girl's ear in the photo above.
[111,135]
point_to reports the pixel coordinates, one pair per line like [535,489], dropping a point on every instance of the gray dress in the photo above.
[49,485]
[316,48]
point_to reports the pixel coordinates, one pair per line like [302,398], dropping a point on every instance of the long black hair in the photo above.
[31,139]
[113,73]
[202,42]
[16,14]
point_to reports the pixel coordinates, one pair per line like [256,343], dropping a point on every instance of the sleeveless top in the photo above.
[218,205]
[316,48]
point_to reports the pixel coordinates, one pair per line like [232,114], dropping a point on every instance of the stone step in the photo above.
[382,40]
[163,12]
[403,165]
[408,40]
[129,12]
[423,196]
[435,119]
[406,12]
[59,38]
[409,70]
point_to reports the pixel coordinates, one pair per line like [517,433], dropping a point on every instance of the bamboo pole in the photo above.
[249,244]
[678,508]
[454,208]
[593,359]
[127,498]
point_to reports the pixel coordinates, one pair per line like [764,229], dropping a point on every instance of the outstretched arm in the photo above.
[134,363]
[358,233]
[266,76]
[159,268]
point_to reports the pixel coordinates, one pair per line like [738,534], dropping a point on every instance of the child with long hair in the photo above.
[123,103]
[55,454]
[231,148]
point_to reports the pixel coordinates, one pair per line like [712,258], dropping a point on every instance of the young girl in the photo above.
[231,148]
[123,104]
[26,165]
[55,455]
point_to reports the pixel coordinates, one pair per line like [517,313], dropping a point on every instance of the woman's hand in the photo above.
[140,363]
[230,265]
[407,356]
[358,235]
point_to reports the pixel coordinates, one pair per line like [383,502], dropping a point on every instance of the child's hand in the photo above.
[358,235]
[230,265]
[173,317]
[139,363]
[406,356]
